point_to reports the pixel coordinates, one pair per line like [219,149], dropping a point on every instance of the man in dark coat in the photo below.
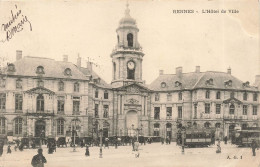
[9,149]
[1,148]
[225,139]
[254,146]
[87,151]
[38,160]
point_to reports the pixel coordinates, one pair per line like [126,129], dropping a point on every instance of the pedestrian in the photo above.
[162,140]
[87,151]
[225,139]
[15,148]
[21,147]
[9,151]
[1,148]
[218,147]
[106,143]
[133,142]
[254,146]
[38,160]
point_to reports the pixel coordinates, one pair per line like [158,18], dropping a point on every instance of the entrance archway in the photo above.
[131,122]
[40,128]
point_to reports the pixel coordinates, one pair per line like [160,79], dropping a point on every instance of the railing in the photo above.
[40,113]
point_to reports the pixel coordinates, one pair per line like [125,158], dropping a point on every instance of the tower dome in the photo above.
[127,20]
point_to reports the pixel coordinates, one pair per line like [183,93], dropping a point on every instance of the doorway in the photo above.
[40,128]
[131,122]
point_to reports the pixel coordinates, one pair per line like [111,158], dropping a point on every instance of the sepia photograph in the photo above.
[130,83]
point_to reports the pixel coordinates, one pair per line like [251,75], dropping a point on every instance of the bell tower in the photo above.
[127,55]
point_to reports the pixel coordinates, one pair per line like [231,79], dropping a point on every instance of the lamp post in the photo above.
[100,150]
[183,139]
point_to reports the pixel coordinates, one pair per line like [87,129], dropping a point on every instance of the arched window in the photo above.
[18,129]
[61,86]
[60,126]
[180,96]
[245,96]
[2,125]
[244,126]
[40,103]
[40,83]
[130,39]
[207,96]
[76,87]
[207,125]
[157,97]
[156,129]
[40,70]
[19,84]
[218,95]
[217,125]
[231,109]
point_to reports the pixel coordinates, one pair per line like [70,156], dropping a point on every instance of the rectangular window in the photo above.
[156,112]
[61,102]
[169,113]
[207,108]
[18,102]
[169,97]
[96,93]
[180,112]
[156,132]
[255,96]
[218,95]
[218,108]
[244,109]
[76,104]
[96,110]
[106,95]
[195,110]
[156,97]
[254,110]
[2,125]
[18,126]
[105,114]
[2,101]
[60,127]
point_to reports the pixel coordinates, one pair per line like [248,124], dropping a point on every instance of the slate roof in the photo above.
[94,75]
[195,80]
[54,69]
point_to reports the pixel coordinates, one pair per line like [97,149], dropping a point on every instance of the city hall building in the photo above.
[42,95]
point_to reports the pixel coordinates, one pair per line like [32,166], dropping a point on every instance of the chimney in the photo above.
[89,66]
[197,69]
[257,81]
[19,54]
[160,72]
[65,58]
[229,70]
[179,71]
[79,61]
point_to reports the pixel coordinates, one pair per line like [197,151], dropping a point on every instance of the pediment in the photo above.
[232,100]
[40,90]
[134,88]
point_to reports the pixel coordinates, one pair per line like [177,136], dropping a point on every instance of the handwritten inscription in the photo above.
[15,25]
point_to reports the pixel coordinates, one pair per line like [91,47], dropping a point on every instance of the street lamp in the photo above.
[100,150]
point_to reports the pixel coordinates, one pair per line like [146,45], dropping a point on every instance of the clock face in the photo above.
[131,65]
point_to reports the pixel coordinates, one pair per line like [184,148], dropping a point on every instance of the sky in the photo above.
[213,41]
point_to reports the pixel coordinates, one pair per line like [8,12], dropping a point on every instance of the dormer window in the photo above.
[228,83]
[19,84]
[177,84]
[163,84]
[67,72]
[209,82]
[11,68]
[40,70]
[246,84]
[40,83]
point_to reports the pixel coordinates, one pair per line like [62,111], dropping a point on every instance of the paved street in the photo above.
[151,155]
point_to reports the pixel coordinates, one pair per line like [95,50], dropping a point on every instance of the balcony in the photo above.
[169,117]
[44,113]
[76,113]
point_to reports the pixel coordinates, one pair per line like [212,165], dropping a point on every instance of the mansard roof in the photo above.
[93,75]
[201,80]
[27,66]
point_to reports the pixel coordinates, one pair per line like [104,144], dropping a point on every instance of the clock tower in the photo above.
[127,56]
